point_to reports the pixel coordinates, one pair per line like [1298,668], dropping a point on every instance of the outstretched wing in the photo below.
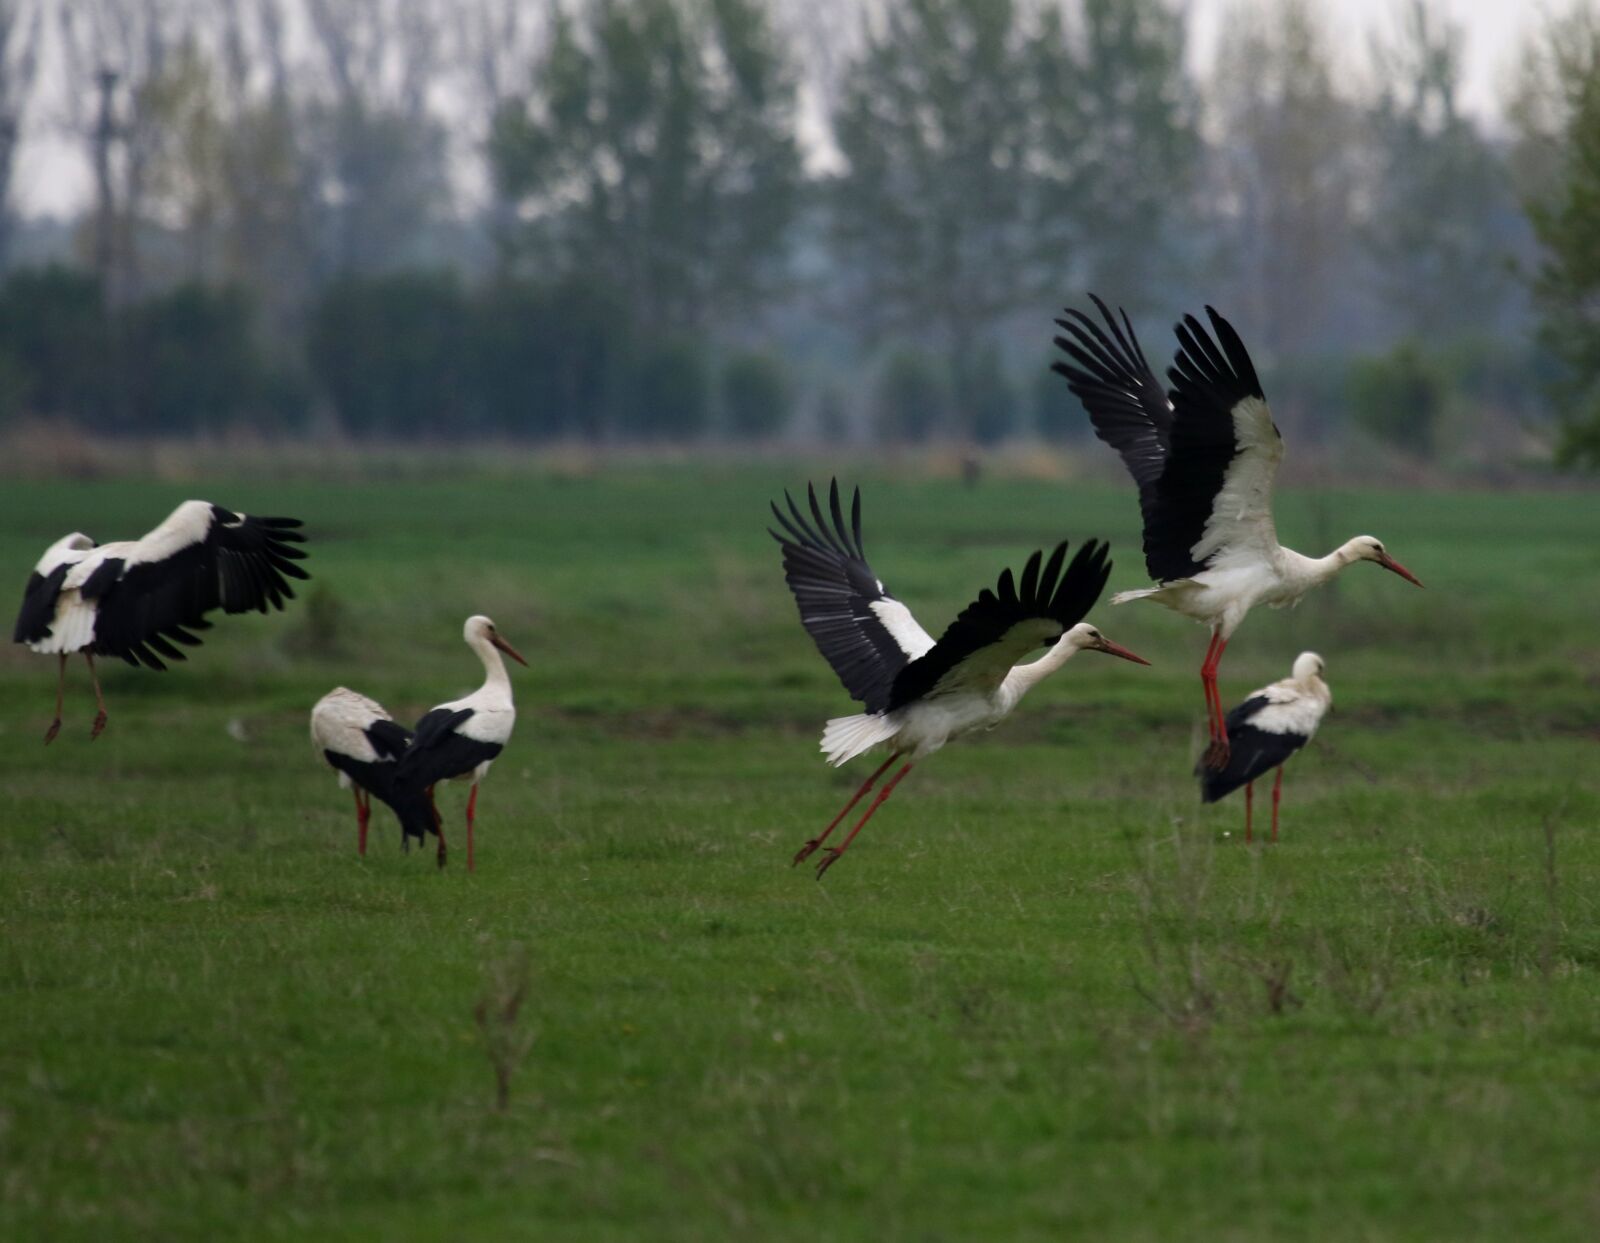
[439,751]
[202,558]
[1225,451]
[1000,627]
[861,630]
[1204,456]
[1125,401]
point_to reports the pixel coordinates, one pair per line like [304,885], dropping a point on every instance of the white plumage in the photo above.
[137,598]
[1205,457]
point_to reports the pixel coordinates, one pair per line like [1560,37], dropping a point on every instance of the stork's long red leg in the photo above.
[472,809]
[363,810]
[438,825]
[835,851]
[810,847]
[61,691]
[1277,793]
[99,698]
[1249,806]
[1216,757]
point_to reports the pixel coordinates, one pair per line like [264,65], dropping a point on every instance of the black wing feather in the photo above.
[834,588]
[1252,752]
[993,616]
[388,738]
[39,605]
[1177,453]
[241,565]
[439,752]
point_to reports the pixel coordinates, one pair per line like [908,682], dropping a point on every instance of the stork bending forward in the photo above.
[363,744]
[1268,728]
[919,693]
[1204,457]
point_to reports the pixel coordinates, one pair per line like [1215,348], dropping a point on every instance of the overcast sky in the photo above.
[53,176]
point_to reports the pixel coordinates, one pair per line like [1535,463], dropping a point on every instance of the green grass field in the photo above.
[1046,995]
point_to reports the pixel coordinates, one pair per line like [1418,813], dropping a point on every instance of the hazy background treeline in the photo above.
[622,221]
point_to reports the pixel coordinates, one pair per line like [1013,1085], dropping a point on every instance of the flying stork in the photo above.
[363,744]
[919,693]
[135,598]
[1266,729]
[1204,457]
[458,740]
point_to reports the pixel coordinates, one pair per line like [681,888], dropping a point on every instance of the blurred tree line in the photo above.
[676,219]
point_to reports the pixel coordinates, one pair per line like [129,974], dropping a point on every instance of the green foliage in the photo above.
[987,399]
[389,350]
[1046,995]
[757,395]
[547,358]
[668,391]
[912,399]
[984,142]
[1058,416]
[192,362]
[1567,223]
[1436,229]
[1400,397]
[55,330]
[654,151]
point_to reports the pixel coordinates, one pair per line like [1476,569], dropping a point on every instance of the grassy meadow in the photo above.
[1045,995]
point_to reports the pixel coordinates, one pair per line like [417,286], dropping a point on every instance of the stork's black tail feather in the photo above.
[415,814]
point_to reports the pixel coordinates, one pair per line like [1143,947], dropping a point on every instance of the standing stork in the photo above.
[1204,457]
[459,740]
[1267,728]
[363,744]
[919,693]
[135,598]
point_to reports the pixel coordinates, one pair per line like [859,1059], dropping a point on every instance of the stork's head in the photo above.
[1084,637]
[480,629]
[1369,548]
[1309,665]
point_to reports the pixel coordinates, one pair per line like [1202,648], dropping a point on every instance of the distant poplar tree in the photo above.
[1559,112]
[997,155]
[654,151]
[1440,207]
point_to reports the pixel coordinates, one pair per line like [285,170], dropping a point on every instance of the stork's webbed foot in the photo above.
[50,734]
[98,726]
[833,854]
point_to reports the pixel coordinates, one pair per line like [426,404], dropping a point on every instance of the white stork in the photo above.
[919,693]
[1266,729]
[135,598]
[363,744]
[1204,458]
[458,740]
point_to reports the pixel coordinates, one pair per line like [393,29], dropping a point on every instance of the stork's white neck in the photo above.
[1305,572]
[494,668]
[1023,678]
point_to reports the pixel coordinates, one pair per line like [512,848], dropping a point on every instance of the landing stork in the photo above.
[1204,457]
[919,693]
[457,741]
[135,598]
[1268,728]
[363,744]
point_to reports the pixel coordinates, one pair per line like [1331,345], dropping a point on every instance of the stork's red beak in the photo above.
[1389,563]
[508,650]
[1116,649]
